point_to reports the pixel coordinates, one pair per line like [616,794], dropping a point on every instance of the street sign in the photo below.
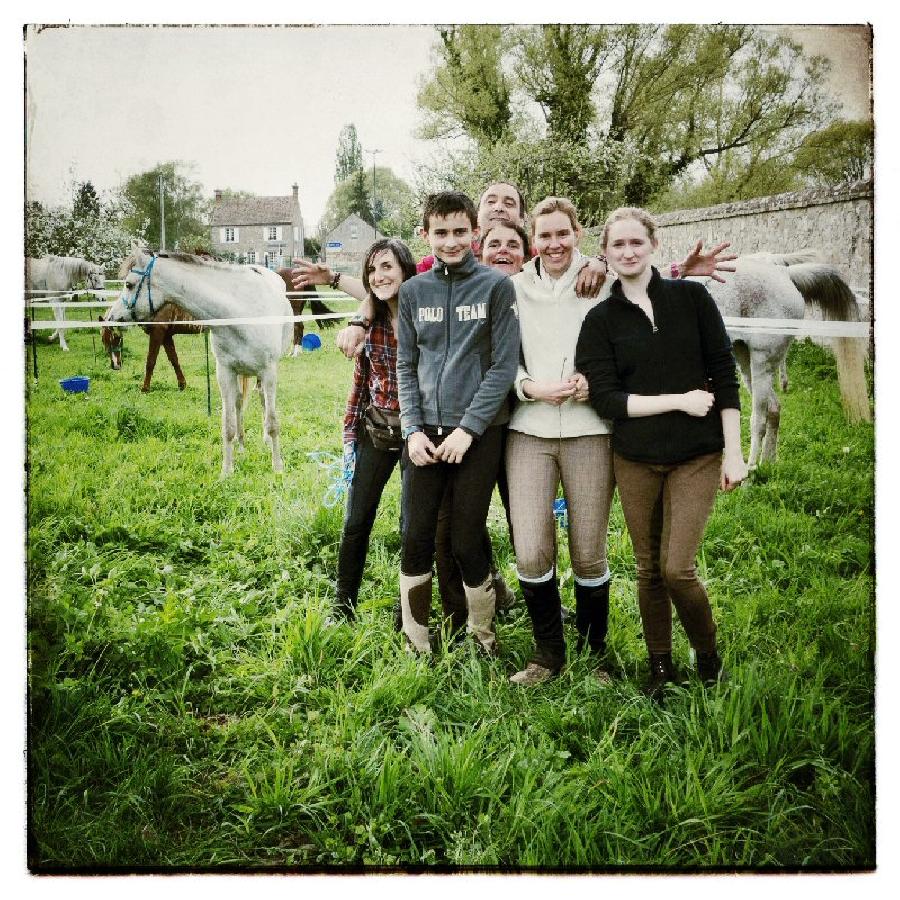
[333,245]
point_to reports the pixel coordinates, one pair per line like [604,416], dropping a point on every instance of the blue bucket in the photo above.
[311,342]
[77,384]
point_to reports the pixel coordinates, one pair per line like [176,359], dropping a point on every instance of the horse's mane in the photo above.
[192,259]
[73,265]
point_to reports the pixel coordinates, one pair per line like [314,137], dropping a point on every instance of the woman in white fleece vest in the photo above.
[555,436]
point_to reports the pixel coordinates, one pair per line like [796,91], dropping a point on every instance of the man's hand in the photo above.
[454,447]
[699,263]
[590,278]
[351,340]
[420,449]
[306,274]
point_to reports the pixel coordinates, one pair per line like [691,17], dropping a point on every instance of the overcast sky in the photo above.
[254,108]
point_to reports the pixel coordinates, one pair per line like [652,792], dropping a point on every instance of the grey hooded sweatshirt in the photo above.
[458,347]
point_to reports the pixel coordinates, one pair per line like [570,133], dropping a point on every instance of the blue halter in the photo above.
[145,276]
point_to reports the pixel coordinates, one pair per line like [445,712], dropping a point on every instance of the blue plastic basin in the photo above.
[77,384]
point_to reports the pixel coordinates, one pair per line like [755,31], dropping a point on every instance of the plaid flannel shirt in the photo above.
[374,377]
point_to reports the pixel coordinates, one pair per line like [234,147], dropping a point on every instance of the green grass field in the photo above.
[187,708]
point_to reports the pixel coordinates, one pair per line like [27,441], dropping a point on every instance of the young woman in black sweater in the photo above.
[659,363]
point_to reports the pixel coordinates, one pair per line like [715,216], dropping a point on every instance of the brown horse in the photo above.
[161,335]
[298,304]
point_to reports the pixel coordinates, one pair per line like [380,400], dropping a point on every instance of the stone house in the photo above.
[264,230]
[345,246]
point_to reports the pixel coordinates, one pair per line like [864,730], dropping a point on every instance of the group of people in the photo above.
[508,358]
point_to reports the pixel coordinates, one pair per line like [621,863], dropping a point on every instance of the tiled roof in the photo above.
[252,211]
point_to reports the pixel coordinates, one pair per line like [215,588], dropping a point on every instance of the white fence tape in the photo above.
[737,327]
[47,324]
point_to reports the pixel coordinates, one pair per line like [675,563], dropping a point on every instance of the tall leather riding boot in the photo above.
[592,616]
[415,606]
[662,672]
[542,600]
[481,601]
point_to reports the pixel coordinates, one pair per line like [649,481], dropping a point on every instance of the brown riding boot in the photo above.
[481,601]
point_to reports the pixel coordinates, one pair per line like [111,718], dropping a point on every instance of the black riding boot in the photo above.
[592,616]
[542,600]
[662,672]
[709,667]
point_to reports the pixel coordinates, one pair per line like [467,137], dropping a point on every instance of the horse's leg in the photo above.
[228,388]
[297,305]
[59,314]
[742,355]
[765,363]
[156,334]
[169,347]
[268,379]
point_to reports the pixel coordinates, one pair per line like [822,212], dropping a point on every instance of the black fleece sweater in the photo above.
[621,353]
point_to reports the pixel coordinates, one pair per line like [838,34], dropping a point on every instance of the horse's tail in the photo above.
[320,309]
[823,288]
[245,389]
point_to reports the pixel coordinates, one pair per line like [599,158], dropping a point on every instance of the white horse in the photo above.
[214,290]
[781,286]
[60,273]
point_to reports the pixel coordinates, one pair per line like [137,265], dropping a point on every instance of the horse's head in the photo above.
[112,343]
[137,297]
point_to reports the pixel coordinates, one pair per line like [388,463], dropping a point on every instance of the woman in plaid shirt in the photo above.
[387,265]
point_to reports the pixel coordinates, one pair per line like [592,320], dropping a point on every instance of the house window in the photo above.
[229,236]
[251,257]
[354,232]
[272,233]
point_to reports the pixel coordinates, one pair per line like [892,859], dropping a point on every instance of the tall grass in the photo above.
[188,708]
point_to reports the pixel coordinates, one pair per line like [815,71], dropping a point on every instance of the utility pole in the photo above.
[162,214]
[374,192]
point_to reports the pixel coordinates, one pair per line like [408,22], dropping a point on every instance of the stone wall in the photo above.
[836,221]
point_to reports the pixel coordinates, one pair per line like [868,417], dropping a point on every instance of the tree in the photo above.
[672,100]
[186,210]
[91,228]
[687,94]
[86,202]
[358,200]
[838,154]
[349,154]
[468,92]
[558,65]
[395,201]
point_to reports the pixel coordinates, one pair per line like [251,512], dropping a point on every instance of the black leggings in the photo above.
[373,469]
[471,484]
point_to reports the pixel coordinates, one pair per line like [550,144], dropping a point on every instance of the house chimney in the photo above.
[218,194]
[295,187]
